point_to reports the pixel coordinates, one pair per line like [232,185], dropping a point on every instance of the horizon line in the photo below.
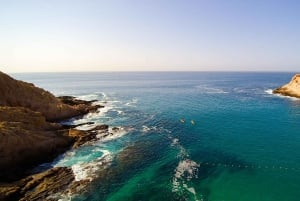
[156,71]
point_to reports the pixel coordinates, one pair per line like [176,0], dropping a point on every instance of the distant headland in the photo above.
[291,89]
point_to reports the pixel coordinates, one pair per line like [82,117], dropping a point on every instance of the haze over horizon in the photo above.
[66,36]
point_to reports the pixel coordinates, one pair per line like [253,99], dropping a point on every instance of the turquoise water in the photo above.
[243,144]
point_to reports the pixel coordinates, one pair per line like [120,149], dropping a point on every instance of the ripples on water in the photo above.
[241,146]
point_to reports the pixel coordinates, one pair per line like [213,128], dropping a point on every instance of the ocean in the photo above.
[210,136]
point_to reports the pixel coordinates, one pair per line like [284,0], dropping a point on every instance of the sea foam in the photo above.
[114,133]
[270,92]
[88,171]
[184,172]
[210,90]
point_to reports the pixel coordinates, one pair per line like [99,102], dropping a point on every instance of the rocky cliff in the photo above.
[291,89]
[16,93]
[28,133]
[26,139]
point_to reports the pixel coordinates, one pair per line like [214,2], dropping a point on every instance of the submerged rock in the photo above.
[291,89]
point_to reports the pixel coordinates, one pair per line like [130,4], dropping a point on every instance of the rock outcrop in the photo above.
[16,93]
[26,139]
[30,134]
[291,89]
[39,186]
[55,182]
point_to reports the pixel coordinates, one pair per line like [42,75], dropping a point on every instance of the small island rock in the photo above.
[291,89]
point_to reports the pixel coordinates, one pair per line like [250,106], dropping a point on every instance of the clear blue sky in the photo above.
[145,35]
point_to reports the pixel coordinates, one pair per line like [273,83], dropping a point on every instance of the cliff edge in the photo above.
[15,93]
[291,89]
[28,132]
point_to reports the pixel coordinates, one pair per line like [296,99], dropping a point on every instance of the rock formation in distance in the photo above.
[291,89]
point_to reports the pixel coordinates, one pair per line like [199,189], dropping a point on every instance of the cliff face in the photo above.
[291,89]
[26,139]
[28,135]
[16,93]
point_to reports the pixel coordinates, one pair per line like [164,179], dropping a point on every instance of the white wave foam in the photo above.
[120,112]
[103,95]
[94,116]
[88,171]
[61,197]
[88,97]
[132,102]
[184,172]
[104,110]
[113,133]
[175,142]
[210,90]
[86,127]
[82,167]
[239,90]
[85,172]
[182,151]
[270,92]
[101,112]
[186,168]
[145,128]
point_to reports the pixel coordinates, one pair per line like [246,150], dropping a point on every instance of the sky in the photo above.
[149,35]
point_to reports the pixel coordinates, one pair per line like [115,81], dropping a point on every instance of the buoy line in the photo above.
[216,164]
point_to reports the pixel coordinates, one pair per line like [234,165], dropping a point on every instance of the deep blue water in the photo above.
[186,135]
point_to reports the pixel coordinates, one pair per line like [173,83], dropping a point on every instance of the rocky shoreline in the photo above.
[55,182]
[291,89]
[31,134]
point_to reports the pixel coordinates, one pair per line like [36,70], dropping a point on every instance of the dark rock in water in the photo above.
[71,100]
[80,105]
[100,127]
[115,129]
[83,137]
[64,126]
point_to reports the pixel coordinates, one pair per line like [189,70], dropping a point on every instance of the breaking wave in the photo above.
[88,171]
[270,92]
